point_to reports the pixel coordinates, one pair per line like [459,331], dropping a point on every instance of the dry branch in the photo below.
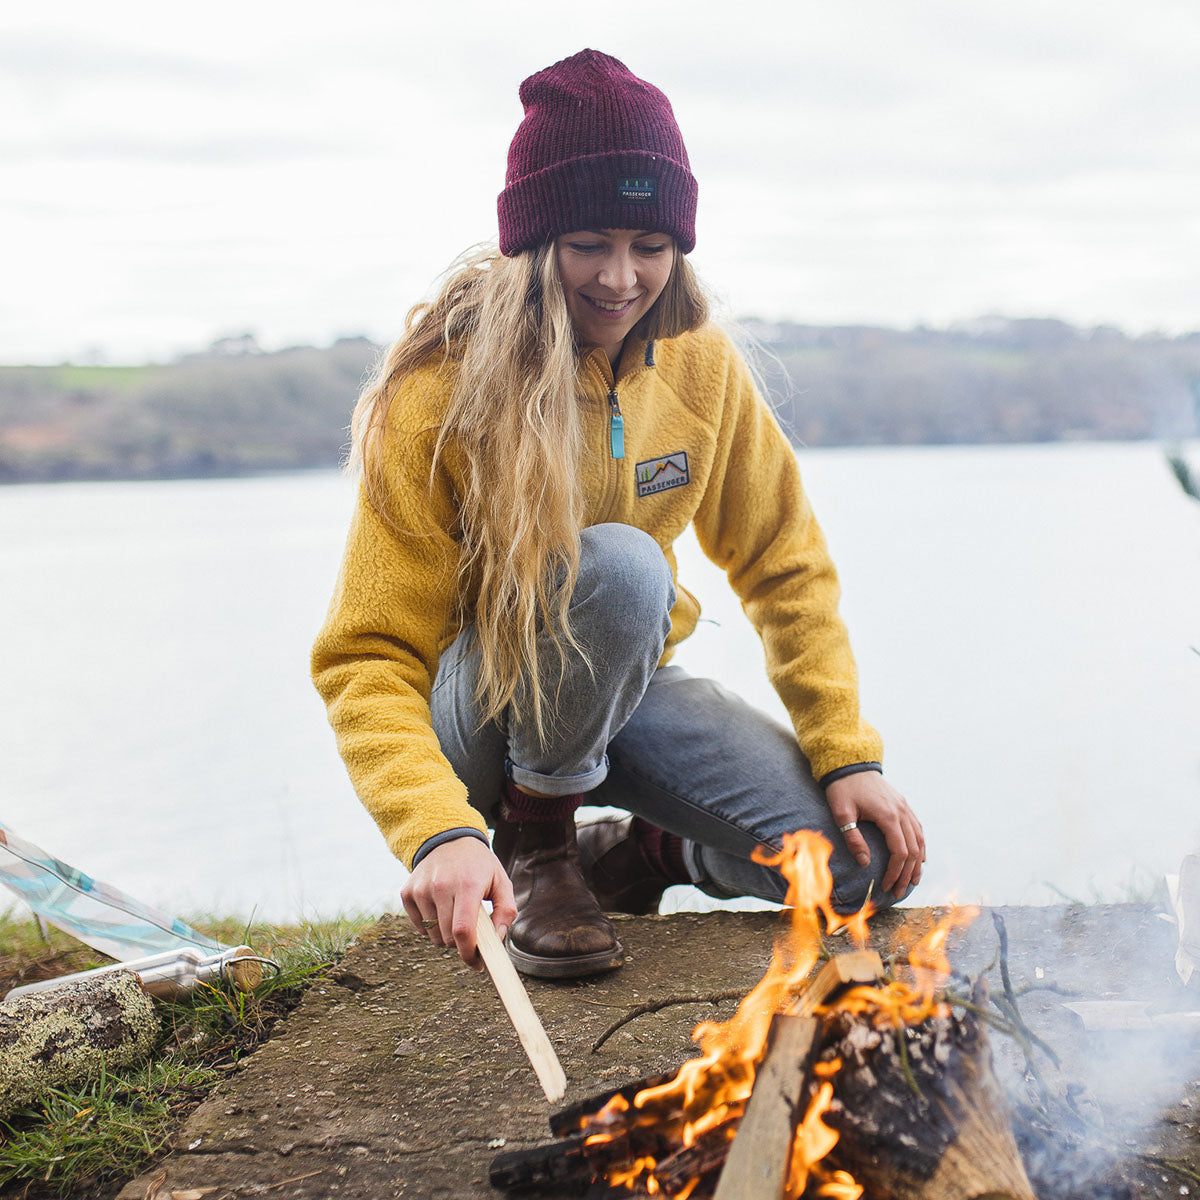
[658,1005]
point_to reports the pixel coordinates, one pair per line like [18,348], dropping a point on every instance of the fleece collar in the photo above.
[637,355]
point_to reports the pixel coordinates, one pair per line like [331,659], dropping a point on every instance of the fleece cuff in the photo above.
[852,769]
[449,835]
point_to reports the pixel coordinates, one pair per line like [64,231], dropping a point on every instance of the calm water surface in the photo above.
[1024,620]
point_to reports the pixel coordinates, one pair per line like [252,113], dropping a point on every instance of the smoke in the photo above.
[1096,1043]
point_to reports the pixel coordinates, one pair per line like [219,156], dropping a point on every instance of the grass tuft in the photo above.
[81,1141]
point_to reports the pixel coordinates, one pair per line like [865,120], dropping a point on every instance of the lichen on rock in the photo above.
[62,1036]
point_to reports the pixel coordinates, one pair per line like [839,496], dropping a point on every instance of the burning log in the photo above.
[569,1120]
[918,1111]
[867,1086]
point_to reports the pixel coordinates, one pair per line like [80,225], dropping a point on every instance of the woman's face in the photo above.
[611,277]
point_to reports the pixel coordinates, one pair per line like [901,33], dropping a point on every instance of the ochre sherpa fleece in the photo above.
[376,657]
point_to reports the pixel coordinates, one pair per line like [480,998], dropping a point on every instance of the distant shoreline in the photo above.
[235,410]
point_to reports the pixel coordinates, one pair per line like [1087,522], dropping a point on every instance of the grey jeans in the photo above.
[685,754]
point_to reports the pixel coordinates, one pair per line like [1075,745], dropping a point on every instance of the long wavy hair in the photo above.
[513,422]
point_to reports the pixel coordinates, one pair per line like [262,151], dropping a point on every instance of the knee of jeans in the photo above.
[621,564]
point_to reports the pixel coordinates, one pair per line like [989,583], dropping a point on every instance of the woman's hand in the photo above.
[443,894]
[867,796]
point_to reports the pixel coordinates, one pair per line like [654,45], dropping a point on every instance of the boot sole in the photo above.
[564,967]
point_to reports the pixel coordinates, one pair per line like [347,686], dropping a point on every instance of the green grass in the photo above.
[81,1141]
[105,1129]
[75,377]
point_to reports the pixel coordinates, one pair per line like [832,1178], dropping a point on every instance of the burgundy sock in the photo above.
[518,806]
[663,851]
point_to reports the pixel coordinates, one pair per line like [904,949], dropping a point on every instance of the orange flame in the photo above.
[711,1091]
[904,1003]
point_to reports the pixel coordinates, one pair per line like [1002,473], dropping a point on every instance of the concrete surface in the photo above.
[401,1077]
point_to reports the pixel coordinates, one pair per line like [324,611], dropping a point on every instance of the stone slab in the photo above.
[400,1076]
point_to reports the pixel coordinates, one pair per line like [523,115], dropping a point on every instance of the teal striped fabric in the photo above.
[97,913]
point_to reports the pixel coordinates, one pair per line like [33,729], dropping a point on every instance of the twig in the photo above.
[1011,1011]
[1015,1030]
[658,1005]
[294,1179]
[1044,986]
[1005,978]
[1010,1002]
[905,1065]
[1169,1164]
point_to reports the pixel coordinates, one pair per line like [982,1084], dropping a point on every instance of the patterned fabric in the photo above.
[96,913]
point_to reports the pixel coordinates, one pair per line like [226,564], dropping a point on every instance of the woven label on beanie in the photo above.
[636,191]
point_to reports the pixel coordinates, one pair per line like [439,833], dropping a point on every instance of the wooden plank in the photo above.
[519,1008]
[757,1166]
[853,969]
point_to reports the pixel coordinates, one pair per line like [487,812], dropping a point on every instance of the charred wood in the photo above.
[703,1159]
[919,1112]
[560,1166]
[570,1119]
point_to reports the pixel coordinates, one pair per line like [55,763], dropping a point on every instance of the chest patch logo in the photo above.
[659,474]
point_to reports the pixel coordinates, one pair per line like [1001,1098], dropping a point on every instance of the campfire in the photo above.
[833,1080]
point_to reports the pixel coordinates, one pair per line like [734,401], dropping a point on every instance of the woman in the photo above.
[497,649]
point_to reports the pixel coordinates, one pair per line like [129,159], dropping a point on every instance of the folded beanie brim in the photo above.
[617,189]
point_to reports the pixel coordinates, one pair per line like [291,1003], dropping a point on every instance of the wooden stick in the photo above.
[757,1166]
[520,1011]
[842,970]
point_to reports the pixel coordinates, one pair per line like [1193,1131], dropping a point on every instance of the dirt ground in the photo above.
[400,1076]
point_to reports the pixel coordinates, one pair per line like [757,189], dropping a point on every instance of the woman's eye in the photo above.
[658,249]
[584,247]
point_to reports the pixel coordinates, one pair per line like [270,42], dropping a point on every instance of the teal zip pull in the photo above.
[616,427]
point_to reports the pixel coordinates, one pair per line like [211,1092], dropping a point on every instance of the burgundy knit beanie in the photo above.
[598,149]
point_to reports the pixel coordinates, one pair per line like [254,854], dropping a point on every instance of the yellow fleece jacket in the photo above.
[701,448]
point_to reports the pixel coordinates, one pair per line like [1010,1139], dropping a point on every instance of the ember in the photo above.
[863,1083]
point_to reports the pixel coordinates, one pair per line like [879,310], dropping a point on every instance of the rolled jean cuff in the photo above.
[558,785]
[449,835]
[700,877]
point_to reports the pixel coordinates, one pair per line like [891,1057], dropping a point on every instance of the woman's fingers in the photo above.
[443,894]
[908,852]
[867,796]
[857,845]
[504,904]
[422,915]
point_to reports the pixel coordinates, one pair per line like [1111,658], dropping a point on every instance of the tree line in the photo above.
[234,409]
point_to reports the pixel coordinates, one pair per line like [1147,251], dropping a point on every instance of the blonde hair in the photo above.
[513,420]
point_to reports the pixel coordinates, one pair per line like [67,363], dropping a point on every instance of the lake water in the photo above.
[1024,620]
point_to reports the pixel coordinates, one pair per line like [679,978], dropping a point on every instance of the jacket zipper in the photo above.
[616,425]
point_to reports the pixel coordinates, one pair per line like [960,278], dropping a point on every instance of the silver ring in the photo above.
[429,924]
[846,828]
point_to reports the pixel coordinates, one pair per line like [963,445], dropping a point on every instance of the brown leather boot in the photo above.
[560,931]
[617,870]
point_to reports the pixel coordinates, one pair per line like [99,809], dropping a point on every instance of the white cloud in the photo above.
[175,173]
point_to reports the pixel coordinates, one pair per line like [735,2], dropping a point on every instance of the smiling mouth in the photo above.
[610,306]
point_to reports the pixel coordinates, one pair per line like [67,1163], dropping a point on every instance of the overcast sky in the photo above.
[173,173]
